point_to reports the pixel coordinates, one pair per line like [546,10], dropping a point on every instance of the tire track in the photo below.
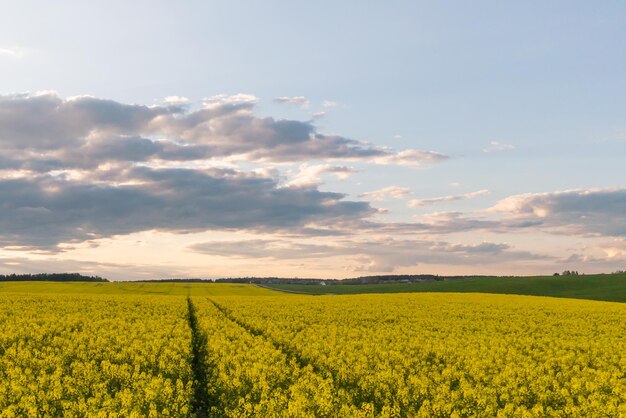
[358,395]
[202,401]
[287,350]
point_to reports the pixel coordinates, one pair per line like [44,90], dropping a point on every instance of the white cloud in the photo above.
[240,98]
[416,203]
[495,146]
[329,104]
[311,175]
[294,100]
[175,100]
[14,52]
[414,158]
[394,192]
[318,115]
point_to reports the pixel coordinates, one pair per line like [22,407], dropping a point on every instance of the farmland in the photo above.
[608,287]
[183,349]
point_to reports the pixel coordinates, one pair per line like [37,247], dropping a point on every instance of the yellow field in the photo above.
[236,350]
[94,354]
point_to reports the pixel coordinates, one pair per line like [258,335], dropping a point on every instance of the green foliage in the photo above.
[608,287]
[50,277]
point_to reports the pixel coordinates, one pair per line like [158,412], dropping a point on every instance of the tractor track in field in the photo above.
[202,400]
[359,396]
[287,350]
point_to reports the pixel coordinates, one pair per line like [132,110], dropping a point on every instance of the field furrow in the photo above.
[358,397]
[251,376]
[440,355]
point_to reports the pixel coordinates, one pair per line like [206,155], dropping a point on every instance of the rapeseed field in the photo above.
[168,349]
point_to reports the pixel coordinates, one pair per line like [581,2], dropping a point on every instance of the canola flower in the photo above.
[88,355]
[128,351]
[251,377]
[455,354]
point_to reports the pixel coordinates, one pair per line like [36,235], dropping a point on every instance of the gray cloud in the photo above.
[78,170]
[381,255]
[45,211]
[436,223]
[46,121]
[590,213]
[593,211]
[46,130]
[265,248]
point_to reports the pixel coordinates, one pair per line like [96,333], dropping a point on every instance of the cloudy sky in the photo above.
[152,139]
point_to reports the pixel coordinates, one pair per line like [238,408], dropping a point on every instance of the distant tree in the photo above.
[50,277]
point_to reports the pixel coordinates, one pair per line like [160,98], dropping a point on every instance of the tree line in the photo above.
[50,277]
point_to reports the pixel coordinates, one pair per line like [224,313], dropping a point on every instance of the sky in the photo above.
[158,139]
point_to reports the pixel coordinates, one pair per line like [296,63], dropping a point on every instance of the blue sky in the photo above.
[512,115]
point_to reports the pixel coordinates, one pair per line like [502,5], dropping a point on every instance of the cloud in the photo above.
[46,122]
[263,248]
[311,175]
[394,192]
[416,203]
[220,99]
[176,100]
[83,168]
[439,223]
[111,271]
[44,130]
[495,146]
[294,100]
[387,255]
[318,115]
[329,103]
[376,255]
[13,52]
[411,158]
[46,211]
[581,211]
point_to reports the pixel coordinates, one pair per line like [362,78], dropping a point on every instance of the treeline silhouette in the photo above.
[391,278]
[50,277]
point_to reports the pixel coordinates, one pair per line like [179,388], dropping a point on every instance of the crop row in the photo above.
[251,376]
